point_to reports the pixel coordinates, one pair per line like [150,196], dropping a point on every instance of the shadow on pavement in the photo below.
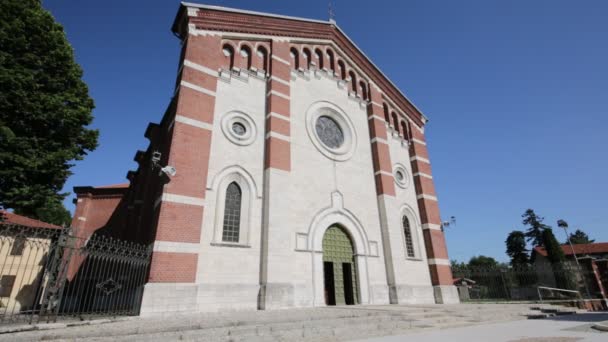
[581,317]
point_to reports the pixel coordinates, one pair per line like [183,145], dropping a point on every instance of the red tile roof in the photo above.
[113,186]
[579,249]
[24,221]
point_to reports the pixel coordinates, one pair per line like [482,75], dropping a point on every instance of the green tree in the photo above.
[45,109]
[516,248]
[483,261]
[555,253]
[580,237]
[53,211]
[534,233]
[563,277]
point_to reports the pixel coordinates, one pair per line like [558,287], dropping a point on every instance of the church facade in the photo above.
[287,171]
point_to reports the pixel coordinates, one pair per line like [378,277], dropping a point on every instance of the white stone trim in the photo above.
[201,68]
[422,174]
[167,197]
[278,116]
[376,103]
[445,262]
[428,197]
[279,94]
[431,226]
[278,136]
[197,88]
[193,122]
[424,160]
[376,117]
[418,141]
[379,140]
[280,80]
[381,172]
[82,218]
[176,247]
[280,60]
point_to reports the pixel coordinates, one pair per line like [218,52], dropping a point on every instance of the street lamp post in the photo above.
[563,224]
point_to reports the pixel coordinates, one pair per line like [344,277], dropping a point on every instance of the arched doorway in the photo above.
[339,268]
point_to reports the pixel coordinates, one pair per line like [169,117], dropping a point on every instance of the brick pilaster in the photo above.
[434,239]
[181,205]
[278,150]
[277,162]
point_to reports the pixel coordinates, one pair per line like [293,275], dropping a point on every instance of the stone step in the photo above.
[318,324]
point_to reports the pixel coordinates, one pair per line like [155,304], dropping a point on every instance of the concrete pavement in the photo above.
[557,329]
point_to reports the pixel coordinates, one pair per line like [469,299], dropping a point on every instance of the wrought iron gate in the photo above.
[48,273]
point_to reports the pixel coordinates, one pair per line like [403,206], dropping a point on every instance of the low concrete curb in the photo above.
[601,326]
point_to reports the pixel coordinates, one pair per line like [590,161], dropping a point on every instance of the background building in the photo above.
[302,176]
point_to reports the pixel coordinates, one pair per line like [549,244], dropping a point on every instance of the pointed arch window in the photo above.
[409,241]
[232,213]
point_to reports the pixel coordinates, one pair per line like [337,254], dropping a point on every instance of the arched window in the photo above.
[307,56]
[404,130]
[232,213]
[295,57]
[229,55]
[363,90]
[353,81]
[342,70]
[263,54]
[246,53]
[395,122]
[386,115]
[330,56]
[320,57]
[409,241]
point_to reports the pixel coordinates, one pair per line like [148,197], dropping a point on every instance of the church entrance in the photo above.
[339,268]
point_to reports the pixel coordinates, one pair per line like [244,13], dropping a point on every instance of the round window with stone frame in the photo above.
[401,176]
[331,130]
[239,128]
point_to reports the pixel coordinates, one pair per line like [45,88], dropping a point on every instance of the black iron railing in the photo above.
[47,273]
[536,282]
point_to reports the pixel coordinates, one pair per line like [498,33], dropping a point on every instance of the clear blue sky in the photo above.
[517,94]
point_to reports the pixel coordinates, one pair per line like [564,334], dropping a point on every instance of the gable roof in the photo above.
[217,18]
[579,249]
[12,218]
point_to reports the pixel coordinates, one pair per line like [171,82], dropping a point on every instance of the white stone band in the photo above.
[197,88]
[445,262]
[183,199]
[424,160]
[176,247]
[379,140]
[431,226]
[422,174]
[192,122]
[428,197]
[280,60]
[200,68]
[278,136]
[280,80]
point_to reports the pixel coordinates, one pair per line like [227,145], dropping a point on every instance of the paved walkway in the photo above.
[426,322]
[559,329]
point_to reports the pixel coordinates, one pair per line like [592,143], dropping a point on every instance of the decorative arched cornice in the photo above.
[332,215]
[217,179]
[214,18]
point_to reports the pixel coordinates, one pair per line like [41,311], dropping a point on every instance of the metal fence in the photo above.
[542,282]
[47,273]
